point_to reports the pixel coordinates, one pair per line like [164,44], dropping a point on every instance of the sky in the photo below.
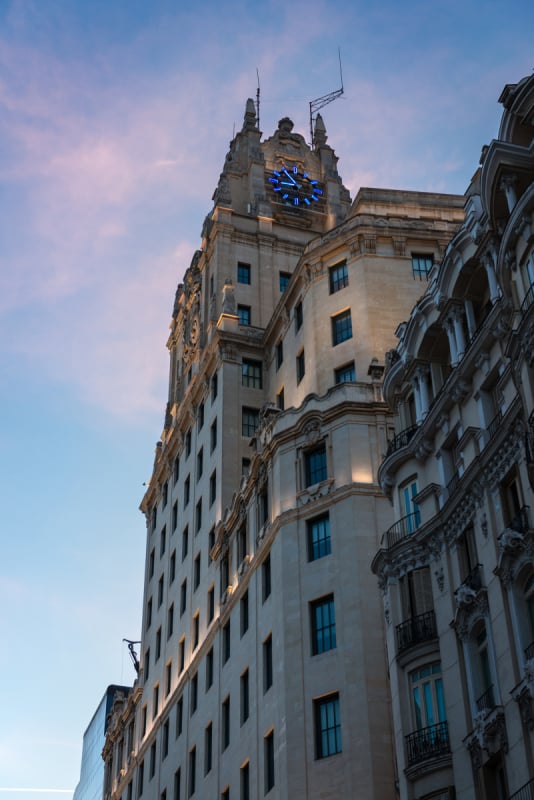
[115,119]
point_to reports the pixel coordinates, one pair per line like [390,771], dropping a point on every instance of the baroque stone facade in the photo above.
[262,670]
[457,566]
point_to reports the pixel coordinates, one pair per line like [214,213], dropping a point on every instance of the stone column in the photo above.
[507,185]
[452,341]
[458,332]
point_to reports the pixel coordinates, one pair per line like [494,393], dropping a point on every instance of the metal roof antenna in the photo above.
[133,654]
[320,102]
[258,101]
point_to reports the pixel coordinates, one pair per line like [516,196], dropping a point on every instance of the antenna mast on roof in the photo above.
[258,100]
[320,102]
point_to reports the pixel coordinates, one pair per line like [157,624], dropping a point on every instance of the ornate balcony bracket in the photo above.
[488,736]
[515,548]
[471,604]
[314,492]
[523,694]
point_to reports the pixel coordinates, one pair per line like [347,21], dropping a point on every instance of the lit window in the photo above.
[421,265]
[341,327]
[243,273]
[327,726]
[249,421]
[243,312]
[338,277]
[315,463]
[319,538]
[345,374]
[323,625]
[251,374]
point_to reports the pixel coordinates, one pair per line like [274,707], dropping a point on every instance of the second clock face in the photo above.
[295,188]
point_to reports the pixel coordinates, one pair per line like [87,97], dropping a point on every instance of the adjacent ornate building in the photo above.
[262,658]
[457,566]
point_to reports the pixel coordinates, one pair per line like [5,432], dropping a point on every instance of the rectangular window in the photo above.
[200,463]
[187,491]
[341,327]
[196,630]
[160,591]
[225,795]
[301,366]
[177,785]
[211,604]
[168,678]
[242,547]
[146,664]
[267,663]
[315,465]
[151,562]
[214,386]
[188,444]
[422,263]
[200,417]
[280,403]
[194,694]
[208,748]
[144,720]
[213,487]
[183,596]
[185,541]
[338,277]
[318,537]
[428,702]
[192,771]
[243,607]
[245,782]
[198,516]
[162,541]
[165,493]
[155,701]
[243,312]
[211,543]
[196,573]
[154,517]
[174,516]
[266,578]
[172,567]
[209,669]
[140,778]
[181,655]
[149,613]
[327,726]
[165,741]
[269,761]
[243,273]
[249,421]
[245,466]
[176,473]
[226,642]
[298,316]
[345,374]
[179,717]
[284,280]
[245,696]
[225,732]
[213,435]
[170,621]
[279,354]
[251,374]
[152,760]
[323,625]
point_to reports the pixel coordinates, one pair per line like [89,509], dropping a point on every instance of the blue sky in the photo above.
[115,118]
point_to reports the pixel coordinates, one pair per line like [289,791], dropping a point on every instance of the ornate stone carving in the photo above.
[488,736]
[312,431]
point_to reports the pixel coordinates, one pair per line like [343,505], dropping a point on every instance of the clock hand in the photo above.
[293,181]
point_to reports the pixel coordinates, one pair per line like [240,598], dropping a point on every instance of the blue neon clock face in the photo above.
[295,188]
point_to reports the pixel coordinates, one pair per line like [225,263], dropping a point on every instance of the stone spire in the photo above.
[249,122]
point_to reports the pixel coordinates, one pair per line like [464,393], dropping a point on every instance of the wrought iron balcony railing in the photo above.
[486,701]
[427,743]
[526,792]
[401,439]
[529,651]
[520,522]
[401,529]
[421,628]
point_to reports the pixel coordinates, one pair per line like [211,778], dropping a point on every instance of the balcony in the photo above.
[526,792]
[402,439]
[415,630]
[401,529]
[486,701]
[427,743]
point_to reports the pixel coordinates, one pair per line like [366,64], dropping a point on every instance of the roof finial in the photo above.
[320,136]
[249,122]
